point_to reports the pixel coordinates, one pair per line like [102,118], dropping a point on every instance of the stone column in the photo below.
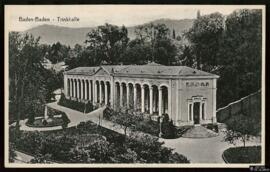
[192,115]
[135,97]
[151,99]
[74,88]
[170,101]
[106,94]
[100,92]
[159,101]
[127,95]
[121,95]
[200,111]
[78,89]
[214,100]
[112,93]
[70,88]
[95,91]
[85,90]
[81,89]
[46,112]
[90,90]
[65,85]
[142,96]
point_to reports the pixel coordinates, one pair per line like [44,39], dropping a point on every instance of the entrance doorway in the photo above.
[196,112]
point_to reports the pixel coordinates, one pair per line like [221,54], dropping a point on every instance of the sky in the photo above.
[94,15]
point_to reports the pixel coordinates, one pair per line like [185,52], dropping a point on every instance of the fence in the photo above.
[249,105]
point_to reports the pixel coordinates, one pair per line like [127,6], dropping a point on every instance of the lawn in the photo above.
[90,143]
[250,154]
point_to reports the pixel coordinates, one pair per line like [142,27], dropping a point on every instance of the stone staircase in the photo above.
[199,132]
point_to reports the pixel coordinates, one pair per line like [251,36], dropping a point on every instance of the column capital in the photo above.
[150,88]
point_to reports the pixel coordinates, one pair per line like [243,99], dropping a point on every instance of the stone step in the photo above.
[199,132]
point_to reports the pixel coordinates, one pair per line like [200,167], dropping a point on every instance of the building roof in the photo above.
[150,69]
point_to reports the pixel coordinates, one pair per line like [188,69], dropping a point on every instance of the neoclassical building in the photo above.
[187,95]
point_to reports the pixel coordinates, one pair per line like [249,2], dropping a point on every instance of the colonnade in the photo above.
[95,91]
[144,97]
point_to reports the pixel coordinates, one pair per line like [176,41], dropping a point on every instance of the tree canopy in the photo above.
[230,48]
[30,84]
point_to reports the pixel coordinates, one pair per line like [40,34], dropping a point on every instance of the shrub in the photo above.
[108,113]
[242,127]
[181,130]
[150,150]
[176,158]
[12,154]
[31,116]
[67,146]
[148,126]
[44,122]
[39,158]
[79,106]
[169,131]
[213,127]
[65,120]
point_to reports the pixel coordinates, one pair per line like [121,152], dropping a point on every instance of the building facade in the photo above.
[187,95]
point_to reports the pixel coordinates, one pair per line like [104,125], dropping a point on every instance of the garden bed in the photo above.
[50,122]
[55,118]
[145,123]
[250,154]
[76,145]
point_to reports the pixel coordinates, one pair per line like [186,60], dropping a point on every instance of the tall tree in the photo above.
[107,42]
[240,55]
[58,52]
[173,35]
[163,50]
[25,70]
[205,35]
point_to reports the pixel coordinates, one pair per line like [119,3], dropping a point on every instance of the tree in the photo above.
[12,154]
[240,56]
[156,39]
[205,35]
[58,52]
[107,43]
[150,150]
[25,71]
[187,57]
[242,127]
[229,47]
[173,36]
[137,53]
[125,120]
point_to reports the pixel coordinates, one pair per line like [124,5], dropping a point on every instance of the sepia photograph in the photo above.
[134,85]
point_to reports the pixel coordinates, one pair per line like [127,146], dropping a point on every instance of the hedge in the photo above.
[250,154]
[76,105]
